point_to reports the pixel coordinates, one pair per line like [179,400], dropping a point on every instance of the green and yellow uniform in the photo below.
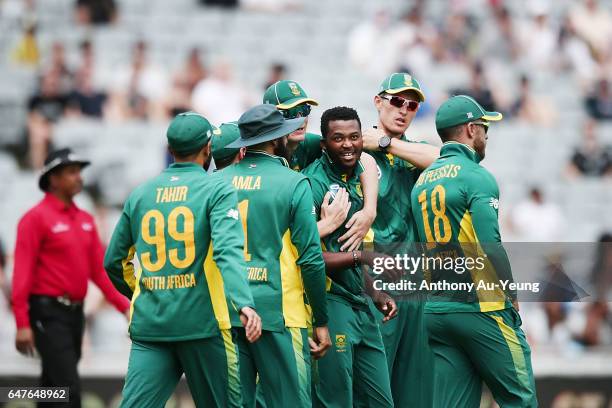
[284,262]
[406,344]
[475,335]
[307,151]
[184,227]
[354,371]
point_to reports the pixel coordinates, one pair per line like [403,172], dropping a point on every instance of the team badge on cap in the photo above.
[294,89]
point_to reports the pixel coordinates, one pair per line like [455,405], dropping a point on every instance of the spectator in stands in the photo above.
[599,102]
[45,107]
[26,51]
[139,89]
[575,54]
[479,89]
[194,70]
[590,158]
[59,66]
[277,72]
[500,41]
[95,12]
[84,99]
[458,35]
[367,49]
[593,24]
[536,219]
[220,97]
[537,38]
[531,108]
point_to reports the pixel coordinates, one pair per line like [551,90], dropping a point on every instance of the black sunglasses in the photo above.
[300,111]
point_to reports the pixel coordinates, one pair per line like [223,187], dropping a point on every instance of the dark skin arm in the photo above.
[336,261]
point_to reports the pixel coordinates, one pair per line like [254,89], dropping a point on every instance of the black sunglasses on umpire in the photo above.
[399,102]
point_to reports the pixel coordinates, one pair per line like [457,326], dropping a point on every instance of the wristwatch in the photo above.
[384,142]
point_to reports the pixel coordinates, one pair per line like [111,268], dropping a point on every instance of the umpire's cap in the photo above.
[54,161]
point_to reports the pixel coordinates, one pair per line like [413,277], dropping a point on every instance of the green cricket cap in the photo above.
[400,82]
[228,133]
[287,94]
[462,109]
[189,132]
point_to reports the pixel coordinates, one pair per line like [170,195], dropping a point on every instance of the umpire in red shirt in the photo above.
[58,250]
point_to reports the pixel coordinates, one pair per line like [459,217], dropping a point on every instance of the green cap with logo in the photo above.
[400,82]
[189,132]
[287,94]
[462,109]
[228,133]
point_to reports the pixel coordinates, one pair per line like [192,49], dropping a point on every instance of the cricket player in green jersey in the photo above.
[354,372]
[224,156]
[400,162]
[303,148]
[284,262]
[476,336]
[184,227]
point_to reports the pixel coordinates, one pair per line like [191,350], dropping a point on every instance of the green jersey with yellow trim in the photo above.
[324,176]
[396,177]
[307,151]
[185,229]
[455,204]
[281,245]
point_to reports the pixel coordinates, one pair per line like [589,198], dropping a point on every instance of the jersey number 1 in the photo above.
[438,206]
[243,207]
[158,238]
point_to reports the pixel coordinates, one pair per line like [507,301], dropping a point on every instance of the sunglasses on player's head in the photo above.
[483,124]
[299,111]
[399,102]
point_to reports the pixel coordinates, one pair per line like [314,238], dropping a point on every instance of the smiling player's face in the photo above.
[344,143]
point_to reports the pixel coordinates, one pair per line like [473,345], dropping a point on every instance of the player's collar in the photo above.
[455,148]
[266,155]
[335,171]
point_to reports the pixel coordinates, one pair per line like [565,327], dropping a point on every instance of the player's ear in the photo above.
[378,102]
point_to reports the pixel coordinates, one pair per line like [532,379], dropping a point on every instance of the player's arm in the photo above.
[360,223]
[228,246]
[118,260]
[305,237]
[99,276]
[483,198]
[228,253]
[421,155]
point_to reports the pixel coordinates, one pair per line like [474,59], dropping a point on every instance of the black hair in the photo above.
[337,113]
[450,133]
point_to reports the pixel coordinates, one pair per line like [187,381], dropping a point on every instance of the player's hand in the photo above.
[24,341]
[386,305]
[358,226]
[333,214]
[320,342]
[370,138]
[251,323]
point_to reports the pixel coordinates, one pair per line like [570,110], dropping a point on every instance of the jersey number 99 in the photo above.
[158,238]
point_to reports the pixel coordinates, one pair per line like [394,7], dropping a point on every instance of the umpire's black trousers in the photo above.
[58,334]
